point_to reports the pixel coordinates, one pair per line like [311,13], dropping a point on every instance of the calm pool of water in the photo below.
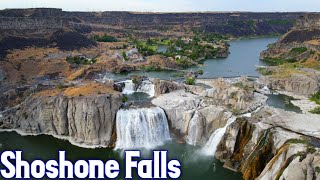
[194,165]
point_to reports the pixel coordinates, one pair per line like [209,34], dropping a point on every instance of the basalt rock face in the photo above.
[85,120]
[272,144]
[235,24]
[163,86]
[305,34]
[300,84]
[198,112]
[38,25]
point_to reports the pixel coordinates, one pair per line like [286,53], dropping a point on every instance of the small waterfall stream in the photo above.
[146,86]
[141,128]
[193,131]
[210,147]
[129,87]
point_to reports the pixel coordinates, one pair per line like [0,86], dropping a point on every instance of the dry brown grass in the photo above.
[91,88]
[88,89]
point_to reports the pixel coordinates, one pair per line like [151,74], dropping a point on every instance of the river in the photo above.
[242,60]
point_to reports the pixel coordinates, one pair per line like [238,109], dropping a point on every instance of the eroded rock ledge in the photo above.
[273,144]
[85,120]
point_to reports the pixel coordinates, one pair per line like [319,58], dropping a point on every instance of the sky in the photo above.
[169,5]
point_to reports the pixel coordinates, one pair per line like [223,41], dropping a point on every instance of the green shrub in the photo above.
[316,98]
[315,110]
[125,99]
[264,71]
[200,71]
[104,38]
[190,81]
[124,55]
[151,68]
[317,169]
[299,50]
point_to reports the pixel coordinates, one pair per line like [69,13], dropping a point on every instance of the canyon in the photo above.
[226,118]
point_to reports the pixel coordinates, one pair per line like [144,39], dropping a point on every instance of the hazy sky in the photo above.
[168,5]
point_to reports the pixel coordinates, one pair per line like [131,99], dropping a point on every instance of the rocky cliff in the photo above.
[302,42]
[36,27]
[273,144]
[195,108]
[84,120]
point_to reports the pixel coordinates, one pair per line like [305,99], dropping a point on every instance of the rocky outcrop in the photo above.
[3,76]
[164,86]
[151,24]
[237,95]
[182,108]
[299,44]
[271,144]
[303,84]
[85,120]
[196,111]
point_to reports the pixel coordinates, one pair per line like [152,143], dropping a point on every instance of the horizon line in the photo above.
[158,12]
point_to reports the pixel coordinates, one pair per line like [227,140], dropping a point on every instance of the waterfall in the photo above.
[210,147]
[141,128]
[147,87]
[193,131]
[129,87]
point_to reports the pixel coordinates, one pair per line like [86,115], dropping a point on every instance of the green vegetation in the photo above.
[80,60]
[317,169]
[201,46]
[151,68]
[147,48]
[125,99]
[264,71]
[124,55]
[298,141]
[104,38]
[315,110]
[190,81]
[299,50]
[316,98]
[200,72]
[278,61]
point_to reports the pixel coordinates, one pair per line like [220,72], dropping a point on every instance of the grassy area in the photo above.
[315,110]
[104,38]
[264,71]
[278,61]
[299,50]
[316,98]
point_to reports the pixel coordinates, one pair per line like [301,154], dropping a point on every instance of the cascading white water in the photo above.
[147,87]
[141,128]
[129,87]
[193,130]
[210,147]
